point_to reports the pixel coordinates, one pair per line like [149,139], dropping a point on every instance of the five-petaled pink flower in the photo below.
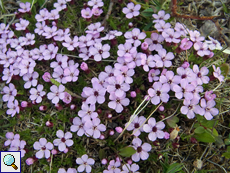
[84,163]
[65,140]
[43,148]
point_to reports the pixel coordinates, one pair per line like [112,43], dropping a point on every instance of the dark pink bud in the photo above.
[49,124]
[144,46]
[111,132]
[175,145]
[185,64]
[118,129]
[42,108]
[24,104]
[161,108]
[193,140]
[156,143]
[104,161]
[133,94]
[54,151]
[102,137]
[46,77]
[84,66]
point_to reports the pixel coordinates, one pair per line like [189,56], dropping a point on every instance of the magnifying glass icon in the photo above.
[9,160]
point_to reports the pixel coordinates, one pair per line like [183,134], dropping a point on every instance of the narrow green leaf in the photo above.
[224,69]
[127,151]
[101,154]
[147,12]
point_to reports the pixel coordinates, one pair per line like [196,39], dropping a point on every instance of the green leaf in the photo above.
[112,24]
[176,167]
[147,12]
[227,154]
[41,2]
[204,137]
[147,27]
[227,141]
[224,69]
[127,151]
[199,130]
[172,121]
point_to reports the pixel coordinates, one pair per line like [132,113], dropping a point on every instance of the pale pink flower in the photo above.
[142,150]
[63,141]
[131,10]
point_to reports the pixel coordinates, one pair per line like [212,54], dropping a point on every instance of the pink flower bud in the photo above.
[58,106]
[49,159]
[193,140]
[129,161]
[84,66]
[130,24]
[167,135]
[111,132]
[24,104]
[46,77]
[109,115]
[104,161]
[185,64]
[161,108]
[133,94]
[102,137]
[73,107]
[118,129]
[118,159]
[54,151]
[29,161]
[175,145]
[42,108]
[49,124]
[144,46]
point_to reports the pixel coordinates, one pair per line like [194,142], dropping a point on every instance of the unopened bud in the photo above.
[49,124]
[133,94]
[84,66]
[54,151]
[66,150]
[29,161]
[42,108]
[160,156]
[193,140]
[104,161]
[161,108]
[111,132]
[118,129]
[156,143]
[129,161]
[102,137]
[73,107]
[175,145]
[24,104]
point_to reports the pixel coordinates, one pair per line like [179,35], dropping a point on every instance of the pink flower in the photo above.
[9,93]
[113,167]
[84,66]
[209,96]
[43,148]
[163,59]
[190,108]
[46,77]
[87,112]
[30,79]
[11,137]
[94,128]
[142,150]
[94,28]
[65,140]
[67,98]
[56,93]
[71,44]
[195,36]
[170,79]
[95,3]
[37,94]
[79,125]
[217,73]
[201,74]
[201,48]
[118,86]
[171,36]
[161,26]
[135,124]
[185,90]
[213,44]
[13,108]
[133,168]
[117,102]
[181,28]
[22,25]
[43,15]
[154,129]
[97,11]
[209,111]
[84,163]
[70,170]
[155,42]
[131,10]
[71,73]
[24,7]
[135,36]
[185,44]
[147,62]
[100,51]
[153,75]
[86,13]
[159,92]
[160,16]
[60,5]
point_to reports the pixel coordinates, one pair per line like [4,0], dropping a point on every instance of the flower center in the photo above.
[158,93]
[139,149]
[63,139]
[96,93]
[117,86]
[44,148]
[136,125]
[154,129]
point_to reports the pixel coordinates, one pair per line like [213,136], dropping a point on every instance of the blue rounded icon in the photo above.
[8,159]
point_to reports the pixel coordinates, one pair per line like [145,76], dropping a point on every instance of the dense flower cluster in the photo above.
[112,86]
